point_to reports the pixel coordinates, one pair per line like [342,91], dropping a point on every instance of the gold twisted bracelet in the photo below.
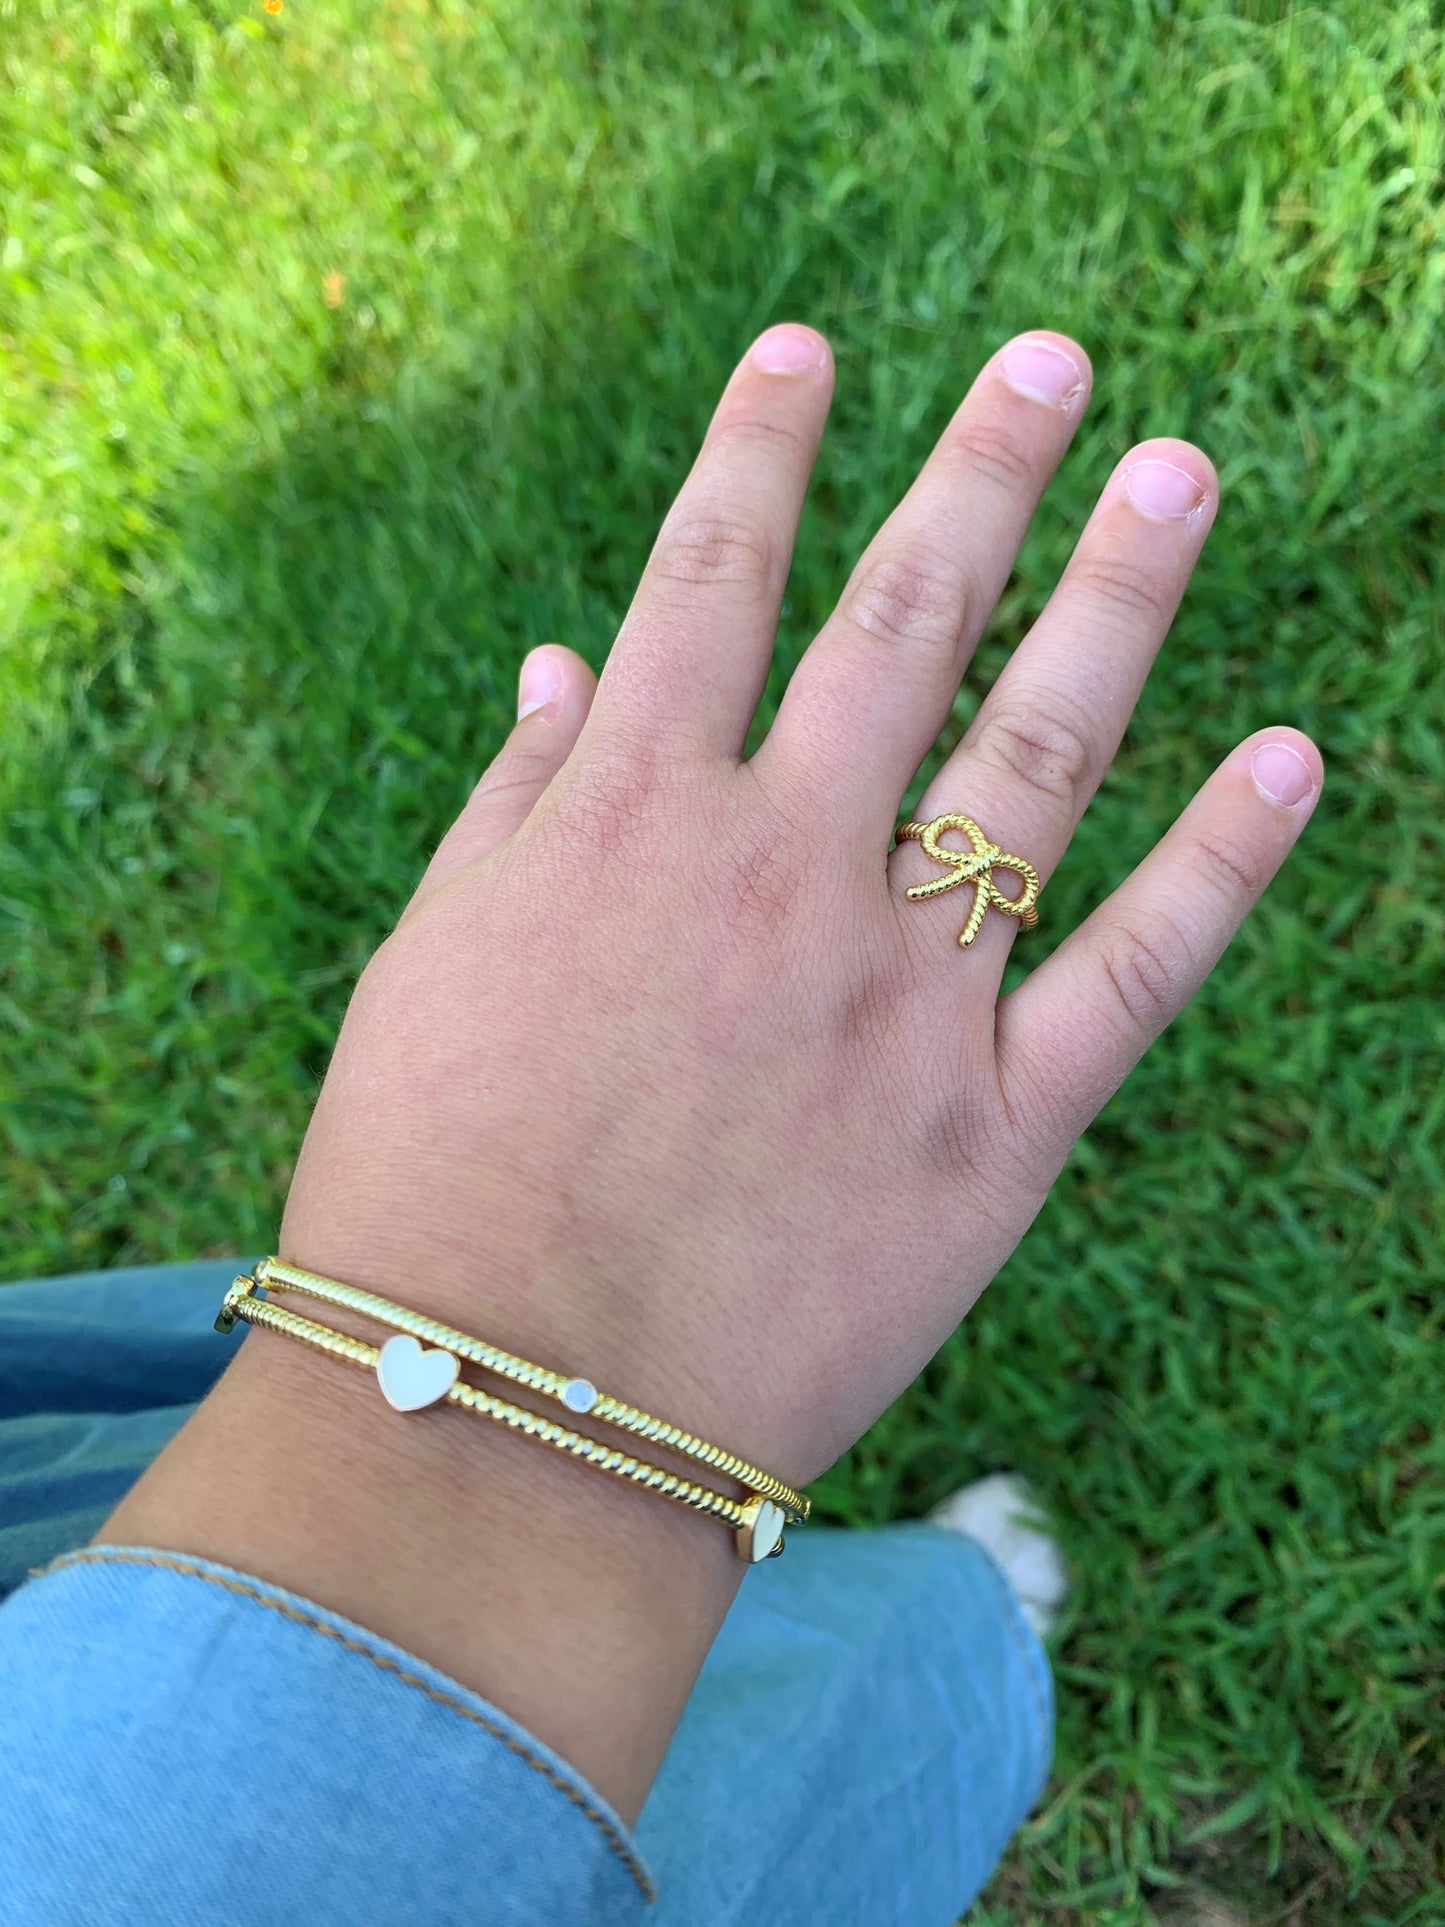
[411,1379]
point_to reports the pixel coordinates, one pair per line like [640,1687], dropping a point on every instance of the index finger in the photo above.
[688,667]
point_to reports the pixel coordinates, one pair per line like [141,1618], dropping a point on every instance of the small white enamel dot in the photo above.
[579,1395]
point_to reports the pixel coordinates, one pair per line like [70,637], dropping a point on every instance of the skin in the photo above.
[660,1079]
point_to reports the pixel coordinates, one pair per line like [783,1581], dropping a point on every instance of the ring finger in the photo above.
[1049,727]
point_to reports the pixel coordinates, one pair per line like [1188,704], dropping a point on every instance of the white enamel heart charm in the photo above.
[411,1378]
[762,1535]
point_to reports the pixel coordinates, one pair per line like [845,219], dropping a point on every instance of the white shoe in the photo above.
[1002,1513]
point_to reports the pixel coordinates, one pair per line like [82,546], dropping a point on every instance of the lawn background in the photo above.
[347,352]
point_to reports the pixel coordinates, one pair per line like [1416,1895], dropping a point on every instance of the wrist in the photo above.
[582,1606]
[604,1296]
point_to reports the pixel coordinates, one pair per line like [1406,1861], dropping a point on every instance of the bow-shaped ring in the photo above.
[975,866]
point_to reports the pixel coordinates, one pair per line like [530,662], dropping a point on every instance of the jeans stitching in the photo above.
[387,1665]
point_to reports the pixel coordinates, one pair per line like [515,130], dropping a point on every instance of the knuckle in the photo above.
[706,550]
[761,883]
[1235,870]
[521,767]
[754,437]
[1142,970]
[507,782]
[759,893]
[1124,588]
[1043,748]
[991,453]
[911,599]
[611,807]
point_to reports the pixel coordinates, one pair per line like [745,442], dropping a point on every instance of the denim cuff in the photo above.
[183,1742]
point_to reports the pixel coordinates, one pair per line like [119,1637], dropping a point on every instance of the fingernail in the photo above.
[788,350]
[1042,372]
[1163,492]
[539,682]
[1281,774]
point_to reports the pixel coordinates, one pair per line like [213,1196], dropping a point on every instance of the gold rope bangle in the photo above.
[578,1395]
[758,1519]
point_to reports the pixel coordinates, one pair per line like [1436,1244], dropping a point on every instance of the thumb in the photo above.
[554,694]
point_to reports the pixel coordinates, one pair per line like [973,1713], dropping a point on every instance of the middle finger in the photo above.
[873,690]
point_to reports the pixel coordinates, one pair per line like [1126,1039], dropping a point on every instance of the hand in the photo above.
[661,1077]
[661,1080]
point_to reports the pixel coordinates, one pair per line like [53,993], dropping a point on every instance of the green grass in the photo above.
[270,565]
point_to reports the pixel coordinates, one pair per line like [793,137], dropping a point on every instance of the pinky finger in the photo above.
[554,694]
[1072,1032]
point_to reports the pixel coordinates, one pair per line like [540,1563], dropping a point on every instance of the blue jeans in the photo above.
[874,1721]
